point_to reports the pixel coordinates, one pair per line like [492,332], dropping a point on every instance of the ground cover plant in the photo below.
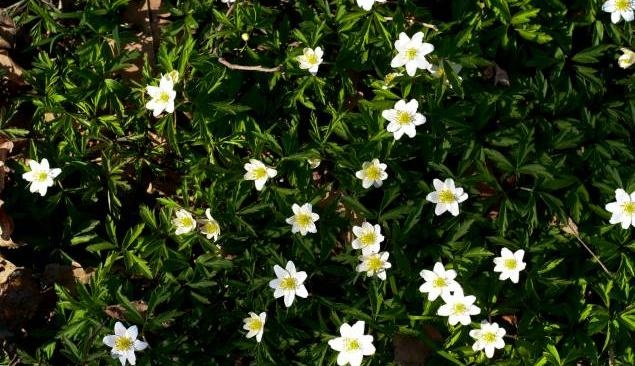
[198,182]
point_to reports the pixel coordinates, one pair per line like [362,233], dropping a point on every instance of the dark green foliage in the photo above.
[537,127]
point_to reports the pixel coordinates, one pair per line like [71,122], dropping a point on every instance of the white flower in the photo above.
[184,222]
[368,4]
[210,227]
[412,52]
[228,2]
[458,307]
[303,219]
[626,59]
[374,264]
[259,173]
[40,176]
[352,344]
[403,118]
[438,281]
[623,209]
[510,264]
[619,9]
[288,284]
[446,196]
[162,96]
[489,337]
[310,59]
[255,325]
[372,174]
[367,238]
[124,343]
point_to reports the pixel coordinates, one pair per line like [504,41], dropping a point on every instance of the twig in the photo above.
[248,68]
[573,229]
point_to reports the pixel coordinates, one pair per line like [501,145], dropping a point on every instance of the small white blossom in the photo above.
[40,176]
[374,264]
[367,238]
[303,219]
[403,118]
[162,96]
[210,227]
[623,209]
[439,282]
[446,196]
[510,264]
[458,308]
[619,9]
[626,59]
[124,343]
[255,325]
[184,222]
[489,338]
[352,344]
[373,173]
[368,4]
[288,283]
[310,59]
[228,2]
[259,173]
[411,53]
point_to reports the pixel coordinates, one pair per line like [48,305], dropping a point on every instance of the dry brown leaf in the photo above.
[19,296]
[7,31]
[14,71]
[119,312]
[82,275]
[6,268]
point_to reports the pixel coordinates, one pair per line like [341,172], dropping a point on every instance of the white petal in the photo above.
[133,332]
[140,345]
[109,340]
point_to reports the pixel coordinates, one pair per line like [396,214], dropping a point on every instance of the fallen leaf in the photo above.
[119,312]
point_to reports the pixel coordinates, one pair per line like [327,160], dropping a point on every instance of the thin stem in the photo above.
[248,68]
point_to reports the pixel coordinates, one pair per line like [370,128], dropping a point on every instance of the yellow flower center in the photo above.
[439,282]
[488,337]
[303,219]
[459,309]
[123,343]
[629,208]
[373,173]
[375,264]
[164,97]
[411,53]
[186,222]
[510,263]
[446,196]
[41,176]
[351,344]
[403,118]
[288,283]
[210,227]
[623,5]
[368,238]
[254,324]
[259,173]
[311,58]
